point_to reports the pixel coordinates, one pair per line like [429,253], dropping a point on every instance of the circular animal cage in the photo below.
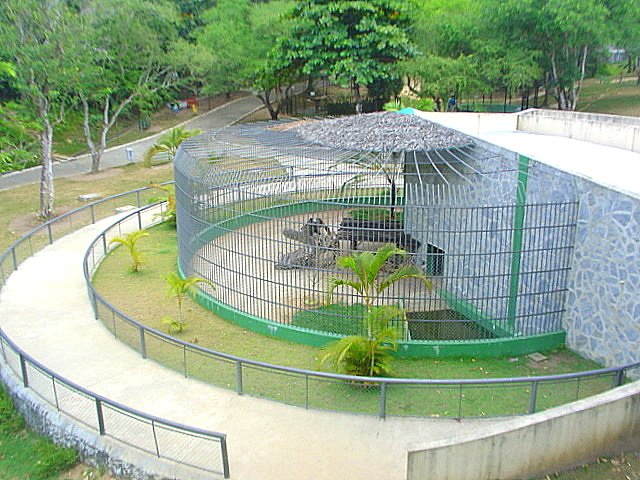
[265,209]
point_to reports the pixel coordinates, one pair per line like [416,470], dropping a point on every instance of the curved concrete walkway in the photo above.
[266,440]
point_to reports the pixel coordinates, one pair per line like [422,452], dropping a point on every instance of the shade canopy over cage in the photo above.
[265,209]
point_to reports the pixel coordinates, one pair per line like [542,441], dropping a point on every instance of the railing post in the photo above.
[100,417]
[459,401]
[104,244]
[49,233]
[533,397]
[139,220]
[155,437]
[93,214]
[619,378]
[184,360]
[23,370]
[55,392]
[4,354]
[306,388]
[225,457]
[15,259]
[239,388]
[143,343]
[383,400]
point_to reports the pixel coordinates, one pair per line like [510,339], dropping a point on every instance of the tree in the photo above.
[228,45]
[356,42]
[38,37]
[233,45]
[563,33]
[446,34]
[360,355]
[169,144]
[179,288]
[126,61]
[130,241]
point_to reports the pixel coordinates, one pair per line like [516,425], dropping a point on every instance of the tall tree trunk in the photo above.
[266,100]
[358,98]
[47,193]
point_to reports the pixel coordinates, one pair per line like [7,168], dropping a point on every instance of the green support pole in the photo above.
[518,225]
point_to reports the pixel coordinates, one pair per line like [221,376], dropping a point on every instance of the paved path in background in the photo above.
[116,156]
[267,440]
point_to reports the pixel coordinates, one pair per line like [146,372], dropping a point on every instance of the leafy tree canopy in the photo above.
[353,41]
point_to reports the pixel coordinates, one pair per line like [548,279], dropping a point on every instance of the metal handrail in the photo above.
[100,401]
[382,382]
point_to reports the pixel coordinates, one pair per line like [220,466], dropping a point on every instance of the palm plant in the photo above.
[168,144]
[179,288]
[129,241]
[369,355]
[169,214]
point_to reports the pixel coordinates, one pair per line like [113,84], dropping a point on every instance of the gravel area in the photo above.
[381,132]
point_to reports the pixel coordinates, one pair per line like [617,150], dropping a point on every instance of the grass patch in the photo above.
[19,209]
[614,97]
[144,296]
[26,455]
[625,466]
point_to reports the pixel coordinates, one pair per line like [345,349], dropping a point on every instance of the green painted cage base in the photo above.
[489,348]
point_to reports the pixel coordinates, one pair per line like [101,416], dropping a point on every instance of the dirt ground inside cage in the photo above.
[244,263]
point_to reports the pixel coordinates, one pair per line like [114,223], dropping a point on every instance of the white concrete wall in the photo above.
[537,444]
[474,123]
[610,130]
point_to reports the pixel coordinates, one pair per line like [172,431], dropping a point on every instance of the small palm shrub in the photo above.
[179,288]
[370,355]
[168,144]
[169,214]
[130,241]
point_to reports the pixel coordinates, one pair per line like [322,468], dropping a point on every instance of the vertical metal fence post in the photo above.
[4,354]
[533,397]
[155,437]
[143,343]
[306,388]
[104,244]
[49,233]
[225,457]
[139,220]
[100,417]
[15,259]
[619,378]
[23,370]
[383,400]
[184,360]
[55,392]
[459,401]
[93,214]
[239,378]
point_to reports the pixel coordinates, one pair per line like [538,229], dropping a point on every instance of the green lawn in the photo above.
[620,98]
[26,455]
